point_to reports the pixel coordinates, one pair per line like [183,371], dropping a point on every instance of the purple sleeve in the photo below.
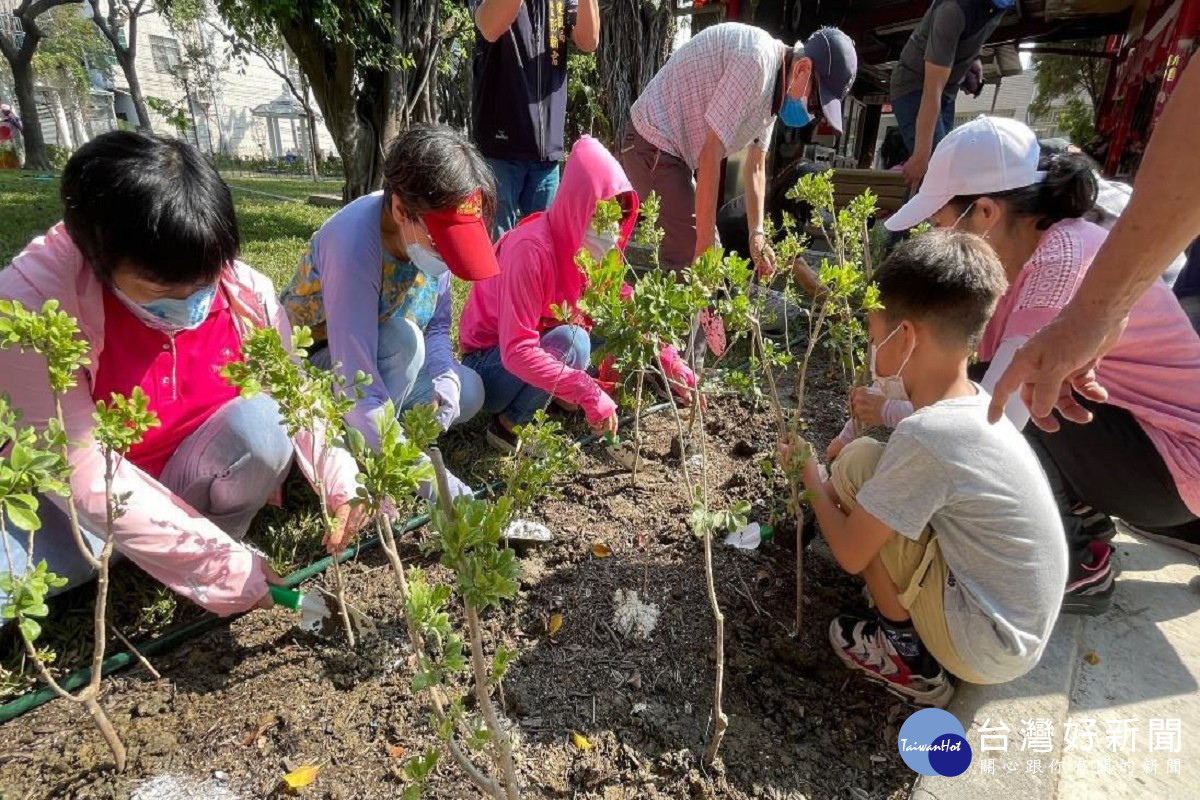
[350,284]
[439,353]
[895,410]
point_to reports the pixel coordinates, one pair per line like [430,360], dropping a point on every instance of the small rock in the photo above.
[223,777]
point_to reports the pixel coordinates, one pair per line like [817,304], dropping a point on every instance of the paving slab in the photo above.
[1129,678]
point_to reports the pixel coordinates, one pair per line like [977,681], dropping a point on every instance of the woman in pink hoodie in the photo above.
[509,333]
[145,261]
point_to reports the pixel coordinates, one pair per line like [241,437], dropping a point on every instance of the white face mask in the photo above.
[598,244]
[891,386]
[426,260]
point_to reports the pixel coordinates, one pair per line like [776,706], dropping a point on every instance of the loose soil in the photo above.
[244,704]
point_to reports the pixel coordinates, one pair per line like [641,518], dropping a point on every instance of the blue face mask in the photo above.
[794,113]
[171,315]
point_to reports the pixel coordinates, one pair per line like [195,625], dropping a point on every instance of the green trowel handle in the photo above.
[289,598]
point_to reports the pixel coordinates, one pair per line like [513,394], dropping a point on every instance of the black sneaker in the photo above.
[1090,586]
[500,438]
[1096,524]
[894,658]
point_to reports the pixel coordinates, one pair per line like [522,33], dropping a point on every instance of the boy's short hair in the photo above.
[949,280]
[152,203]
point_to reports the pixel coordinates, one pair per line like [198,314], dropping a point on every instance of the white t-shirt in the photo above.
[981,488]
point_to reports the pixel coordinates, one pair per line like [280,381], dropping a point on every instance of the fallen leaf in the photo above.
[396,751]
[580,741]
[268,721]
[1092,658]
[635,680]
[641,539]
[302,776]
[601,550]
[556,622]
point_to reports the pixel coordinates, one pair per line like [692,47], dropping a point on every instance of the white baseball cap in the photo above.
[985,156]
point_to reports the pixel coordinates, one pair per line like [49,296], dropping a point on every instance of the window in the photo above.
[10,27]
[165,51]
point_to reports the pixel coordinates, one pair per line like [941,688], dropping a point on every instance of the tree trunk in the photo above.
[129,68]
[35,143]
[635,40]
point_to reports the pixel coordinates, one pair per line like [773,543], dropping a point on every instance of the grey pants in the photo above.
[226,470]
[652,170]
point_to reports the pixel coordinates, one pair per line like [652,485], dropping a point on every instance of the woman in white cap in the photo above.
[1139,457]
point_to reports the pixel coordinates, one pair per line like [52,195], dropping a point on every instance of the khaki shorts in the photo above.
[917,568]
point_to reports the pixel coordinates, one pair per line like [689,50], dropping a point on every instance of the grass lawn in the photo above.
[274,232]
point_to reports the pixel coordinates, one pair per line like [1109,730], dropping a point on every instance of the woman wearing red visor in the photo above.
[374,284]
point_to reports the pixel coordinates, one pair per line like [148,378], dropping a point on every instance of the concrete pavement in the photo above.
[1112,710]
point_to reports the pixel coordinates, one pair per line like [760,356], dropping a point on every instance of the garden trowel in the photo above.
[318,612]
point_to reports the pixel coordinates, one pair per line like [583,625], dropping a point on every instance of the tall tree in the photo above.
[123,15]
[71,46]
[635,40]
[371,65]
[18,50]
[1070,82]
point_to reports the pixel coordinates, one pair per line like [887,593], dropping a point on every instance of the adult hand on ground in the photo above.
[447,395]
[1055,365]
[762,254]
[348,520]
[914,171]
[866,405]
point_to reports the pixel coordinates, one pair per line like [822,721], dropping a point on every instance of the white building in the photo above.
[231,106]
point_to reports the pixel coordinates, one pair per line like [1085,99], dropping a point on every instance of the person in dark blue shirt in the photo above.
[519,94]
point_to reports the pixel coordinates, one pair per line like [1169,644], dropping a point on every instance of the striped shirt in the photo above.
[723,78]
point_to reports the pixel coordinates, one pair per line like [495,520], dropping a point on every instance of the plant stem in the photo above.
[105,726]
[92,692]
[720,720]
[637,426]
[687,478]
[479,667]
[136,653]
[780,419]
[437,700]
[339,586]
[72,513]
[483,696]
[813,335]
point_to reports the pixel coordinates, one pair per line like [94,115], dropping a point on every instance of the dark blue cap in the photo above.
[834,63]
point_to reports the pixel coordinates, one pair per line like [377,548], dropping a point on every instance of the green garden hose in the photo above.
[175,636]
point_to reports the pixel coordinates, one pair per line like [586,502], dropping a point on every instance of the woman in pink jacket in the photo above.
[509,333]
[145,260]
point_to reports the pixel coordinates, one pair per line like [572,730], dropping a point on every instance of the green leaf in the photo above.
[22,517]
[30,629]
